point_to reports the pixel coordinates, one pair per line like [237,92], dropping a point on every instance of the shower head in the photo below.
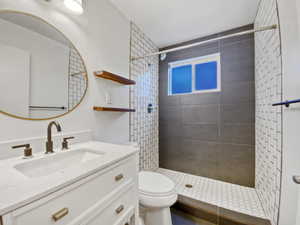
[163,56]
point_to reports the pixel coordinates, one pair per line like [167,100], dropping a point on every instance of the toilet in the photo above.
[156,195]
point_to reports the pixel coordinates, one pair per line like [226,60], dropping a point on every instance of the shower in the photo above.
[207,130]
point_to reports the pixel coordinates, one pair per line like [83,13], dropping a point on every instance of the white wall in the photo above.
[291,116]
[109,49]
[101,35]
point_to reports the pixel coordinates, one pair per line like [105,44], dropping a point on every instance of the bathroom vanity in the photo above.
[92,183]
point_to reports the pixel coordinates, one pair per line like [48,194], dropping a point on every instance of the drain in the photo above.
[189,186]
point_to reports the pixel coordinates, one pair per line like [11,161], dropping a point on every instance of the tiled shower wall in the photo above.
[212,134]
[77,81]
[268,80]
[144,125]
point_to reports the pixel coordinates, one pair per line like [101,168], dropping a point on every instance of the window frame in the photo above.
[193,62]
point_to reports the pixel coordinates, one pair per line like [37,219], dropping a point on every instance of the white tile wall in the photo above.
[230,196]
[144,125]
[268,80]
[77,81]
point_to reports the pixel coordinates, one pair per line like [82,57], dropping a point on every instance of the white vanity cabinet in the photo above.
[107,197]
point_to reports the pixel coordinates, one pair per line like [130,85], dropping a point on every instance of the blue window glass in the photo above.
[206,76]
[181,79]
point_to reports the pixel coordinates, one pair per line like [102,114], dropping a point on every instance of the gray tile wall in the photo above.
[212,134]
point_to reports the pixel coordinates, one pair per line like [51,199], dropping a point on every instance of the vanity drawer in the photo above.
[118,212]
[71,202]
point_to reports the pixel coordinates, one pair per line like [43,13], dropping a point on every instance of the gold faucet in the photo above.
[49,143]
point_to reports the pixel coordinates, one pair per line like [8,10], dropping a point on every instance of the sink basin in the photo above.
[57,162]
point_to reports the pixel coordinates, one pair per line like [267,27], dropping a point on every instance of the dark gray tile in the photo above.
[237,62]
[170,114]
[200,158]
[163,72]
[237,113]
[172,100]
[238,51]
[252,112]
[169,152]
[253,134]
[198,114]
[203,98]
[193,41]
[201,132]
[236,92]
[170,129]
[242,70]
[236,163]
[231,40]
[237,133]
[251,173]
[193,52]
[163,88]
[193,157]
[252,93]
[238,38]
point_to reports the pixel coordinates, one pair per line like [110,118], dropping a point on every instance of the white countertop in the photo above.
[18,190]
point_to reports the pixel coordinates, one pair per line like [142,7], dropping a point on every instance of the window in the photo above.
[182,79]
[196,75]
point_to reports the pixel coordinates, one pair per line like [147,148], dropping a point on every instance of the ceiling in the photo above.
[169,22]
[36,25]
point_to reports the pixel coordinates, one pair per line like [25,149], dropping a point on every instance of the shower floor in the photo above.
[224,195]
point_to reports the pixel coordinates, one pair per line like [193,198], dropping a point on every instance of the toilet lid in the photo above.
[155,184]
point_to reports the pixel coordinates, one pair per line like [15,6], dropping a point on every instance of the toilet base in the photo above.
[161,216]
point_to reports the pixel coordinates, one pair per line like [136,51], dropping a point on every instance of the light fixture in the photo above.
[75,6]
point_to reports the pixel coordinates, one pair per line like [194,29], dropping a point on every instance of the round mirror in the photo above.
[42,74]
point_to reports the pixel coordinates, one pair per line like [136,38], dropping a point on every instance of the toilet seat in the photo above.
[156,190]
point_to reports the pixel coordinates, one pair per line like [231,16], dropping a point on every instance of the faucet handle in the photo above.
[27,150]
[65,144]
[68,138]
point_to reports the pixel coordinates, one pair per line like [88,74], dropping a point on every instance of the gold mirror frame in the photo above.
[71,43]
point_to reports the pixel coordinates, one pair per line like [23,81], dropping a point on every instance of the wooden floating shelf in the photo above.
[110,109]
[114,77]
